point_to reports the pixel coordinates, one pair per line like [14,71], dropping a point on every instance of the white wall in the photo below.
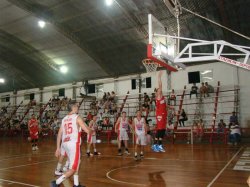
[222,72]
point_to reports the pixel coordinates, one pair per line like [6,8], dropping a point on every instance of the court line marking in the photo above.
[223,169]
[23,155]
[41,155]
[16,182]
[1,169]
[123,182]
[151,158]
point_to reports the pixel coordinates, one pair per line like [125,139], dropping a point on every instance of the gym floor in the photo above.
[181,165]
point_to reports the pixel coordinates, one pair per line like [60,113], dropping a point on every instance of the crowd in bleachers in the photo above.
[106,107]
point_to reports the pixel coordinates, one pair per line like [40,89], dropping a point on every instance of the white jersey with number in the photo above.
[70,129]
[139,126]
[123,126]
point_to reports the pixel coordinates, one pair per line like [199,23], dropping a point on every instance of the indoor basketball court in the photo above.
[107,93]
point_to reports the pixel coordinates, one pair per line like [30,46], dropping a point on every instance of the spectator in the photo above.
[89,117]
[146,98]
[104,97]
[235,134]
[200,129]
[112,96]
[108,96]
[233,118]
[172,97]
[183,118]
[221,126]
[210,89]
[194,90]
[203,90]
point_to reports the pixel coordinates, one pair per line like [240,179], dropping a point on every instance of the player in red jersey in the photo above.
[161,117]
[34,130]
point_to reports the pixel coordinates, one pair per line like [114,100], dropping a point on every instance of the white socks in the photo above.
[94,150]
[76,180]
[60,179]
[59,166]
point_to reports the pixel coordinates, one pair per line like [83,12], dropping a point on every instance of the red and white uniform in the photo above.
[161,113]
[33,127]
[71,140]
[140,131]
[91,138]
[122,129]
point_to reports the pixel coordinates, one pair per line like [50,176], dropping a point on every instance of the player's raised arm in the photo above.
[159,90]
[83,125]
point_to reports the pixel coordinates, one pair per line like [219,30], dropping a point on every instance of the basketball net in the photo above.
[150,65]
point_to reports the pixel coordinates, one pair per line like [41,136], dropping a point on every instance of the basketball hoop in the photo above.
[150,65]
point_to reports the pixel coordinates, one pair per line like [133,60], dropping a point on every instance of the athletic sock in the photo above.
[76,180]
[59,166]
[135,153]
[60,179]
[95,150]
[67,164]
[155,141]
[141,152]
[88,151]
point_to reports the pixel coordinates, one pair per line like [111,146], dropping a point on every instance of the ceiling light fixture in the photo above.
[41,23]
[64,69]
[2,80]
[109,2]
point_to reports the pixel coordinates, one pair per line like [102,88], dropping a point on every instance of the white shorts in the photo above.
[72,149]
[91,138]
[141,139]
[122,135]
[63,152]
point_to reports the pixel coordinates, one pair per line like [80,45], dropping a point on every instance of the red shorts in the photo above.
[161,121]
[34,135]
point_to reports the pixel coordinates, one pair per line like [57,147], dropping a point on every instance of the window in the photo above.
[32,96]
[194,77]
[91,88]
[61,92]
[133,83]
[5,98]
[148,82]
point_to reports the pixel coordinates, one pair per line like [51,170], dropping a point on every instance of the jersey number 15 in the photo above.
[68,128]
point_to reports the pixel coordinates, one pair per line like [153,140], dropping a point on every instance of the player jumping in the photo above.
[69,136]
[161,117]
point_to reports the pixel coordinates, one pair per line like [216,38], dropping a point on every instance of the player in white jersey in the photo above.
[91,138]
[140,129]
[121,128]
[69,141]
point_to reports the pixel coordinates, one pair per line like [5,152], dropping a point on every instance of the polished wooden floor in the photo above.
[182,165]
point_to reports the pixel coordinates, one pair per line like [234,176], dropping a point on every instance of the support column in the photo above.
[74,86]
[140,94]
[14,97]
[169,87]
[41,95]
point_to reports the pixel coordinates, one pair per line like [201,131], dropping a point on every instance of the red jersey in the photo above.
[161,106]
[33,126]
[161,113]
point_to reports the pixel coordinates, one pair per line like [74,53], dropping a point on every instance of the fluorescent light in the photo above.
[207,78]
[2,80]
[41,23]
[64,69]
[109,2]
[205,72]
